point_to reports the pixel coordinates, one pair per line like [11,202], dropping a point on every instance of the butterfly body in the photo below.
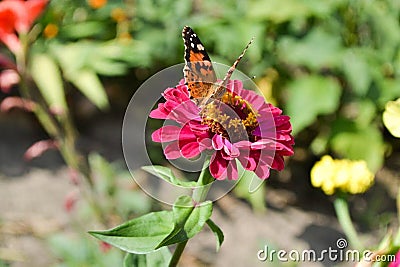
[199,73]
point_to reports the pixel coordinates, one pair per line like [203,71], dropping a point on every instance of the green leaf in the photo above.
[167,175]
[309,97]
[71,57]
[366,110]
[389,90]
[83,29]
[280,11]
[141,235]
[47,77]
[317,50]
[391,117]
[80,62]
[219,235]
[137,260]
[158,258]
[357,71]
[189,220]
[359,143]
[89,84]
[108,59]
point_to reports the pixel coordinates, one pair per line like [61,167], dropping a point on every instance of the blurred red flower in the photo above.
[70,200]
[17,16]
[38,148]
[104,247]
[8,78]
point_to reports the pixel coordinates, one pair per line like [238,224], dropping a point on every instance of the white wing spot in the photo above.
[200,47]
[192,45]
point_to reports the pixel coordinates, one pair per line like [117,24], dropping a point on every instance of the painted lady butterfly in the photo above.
[199,73]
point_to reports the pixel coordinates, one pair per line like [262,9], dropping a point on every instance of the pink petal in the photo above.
[261,144]
[190,150]
[262,171]
[205,143]
[70,200]
[243,144]
[166,133]
[248,162]
[57,110]
[217,142]
[230,150]
[278,163]
[184,112]
[105,247]
[38,148]
[218,166]
[232,172]
[186,134]
[172,151]
[159,112]
[73,175]
[11,41]
[16,102]
[198,126]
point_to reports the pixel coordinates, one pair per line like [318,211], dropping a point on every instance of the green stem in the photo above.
[177,253]
[343,215]
[62,132]
[203,183]
[199,195]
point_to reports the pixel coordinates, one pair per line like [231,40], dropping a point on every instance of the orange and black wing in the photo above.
[198,72]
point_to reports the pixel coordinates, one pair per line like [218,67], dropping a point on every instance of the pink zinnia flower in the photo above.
[241,126]
[396,262]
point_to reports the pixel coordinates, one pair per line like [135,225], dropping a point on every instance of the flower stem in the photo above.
[177,253]
[203,183]
[199,195]
[60,129]
[343,215]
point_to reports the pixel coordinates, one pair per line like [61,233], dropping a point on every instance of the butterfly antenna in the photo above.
[232,69]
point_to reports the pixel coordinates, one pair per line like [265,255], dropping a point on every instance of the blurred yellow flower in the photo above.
[391,117]
[346,175]
[50,31]
[125,37]
[118,14]
[97,3]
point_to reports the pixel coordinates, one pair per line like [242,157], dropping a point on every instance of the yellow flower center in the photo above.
[232,117]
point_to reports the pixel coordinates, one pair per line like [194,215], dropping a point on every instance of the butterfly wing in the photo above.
[199,73]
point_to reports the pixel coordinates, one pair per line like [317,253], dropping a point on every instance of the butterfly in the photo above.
[199,74]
